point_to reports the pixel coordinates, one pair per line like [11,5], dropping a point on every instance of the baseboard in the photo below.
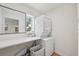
[56,54]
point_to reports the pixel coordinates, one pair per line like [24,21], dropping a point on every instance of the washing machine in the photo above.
[48,45]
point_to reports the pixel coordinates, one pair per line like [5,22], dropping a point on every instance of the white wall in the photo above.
[64,29]
[78,26]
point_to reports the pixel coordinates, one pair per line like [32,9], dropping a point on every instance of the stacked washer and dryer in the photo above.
[43,29]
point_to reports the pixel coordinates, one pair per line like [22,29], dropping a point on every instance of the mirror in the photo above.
[11,20]
[11,25]
[30,23]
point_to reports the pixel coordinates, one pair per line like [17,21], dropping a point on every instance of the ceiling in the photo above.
[44,7]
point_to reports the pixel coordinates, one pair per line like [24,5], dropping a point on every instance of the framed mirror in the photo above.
[12,21]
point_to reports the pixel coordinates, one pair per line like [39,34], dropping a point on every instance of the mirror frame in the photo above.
[17,11]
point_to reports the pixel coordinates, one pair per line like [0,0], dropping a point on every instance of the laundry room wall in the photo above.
[64,29]
[78,26]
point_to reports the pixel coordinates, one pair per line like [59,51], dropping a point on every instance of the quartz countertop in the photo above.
[11,42]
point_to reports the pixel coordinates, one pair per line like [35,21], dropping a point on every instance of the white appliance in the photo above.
[48,45]
[43,26]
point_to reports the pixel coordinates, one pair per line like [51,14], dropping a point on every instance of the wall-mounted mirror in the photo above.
[11,25]
[30,26]
[11,20]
